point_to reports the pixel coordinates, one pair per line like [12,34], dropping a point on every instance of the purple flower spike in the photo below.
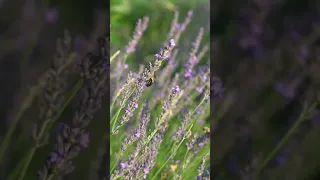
[172,44]
[123,165]
[60,128]
[84,140]
[157,55]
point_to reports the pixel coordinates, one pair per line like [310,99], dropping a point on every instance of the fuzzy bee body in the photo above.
[150,81]
[206,130]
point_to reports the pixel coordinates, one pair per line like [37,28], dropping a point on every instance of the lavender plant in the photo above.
[69,78]
[58,87]
[93,69]
[156,110]
[71,139]
[264,125]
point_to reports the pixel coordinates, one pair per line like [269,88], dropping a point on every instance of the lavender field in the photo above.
[267,124]
[160,90]
[160,102]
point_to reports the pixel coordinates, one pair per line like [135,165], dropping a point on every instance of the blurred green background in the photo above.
[124,15]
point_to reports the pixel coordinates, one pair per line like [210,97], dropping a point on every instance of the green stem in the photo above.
[112,104]
[184,159]
[28,160]
[46,126]
[197,160]
[13,175]
[114,56]
[121,69]
[115,164]
[285,138]
[26,103]
[114,120]
[203,99]
[171,156]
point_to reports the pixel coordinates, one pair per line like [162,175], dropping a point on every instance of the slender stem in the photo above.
[171,156]
[25,105]
[203,99]
[121,69]
[46,126]
[114,120]
[28,160]
[196,161]
[285,138]
[184,159]
[114,56]
[115,164]
[13,174]
[112,104]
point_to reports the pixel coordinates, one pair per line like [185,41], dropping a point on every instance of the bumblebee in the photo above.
[150,81]
[164,175]
[173,168]
[206,130]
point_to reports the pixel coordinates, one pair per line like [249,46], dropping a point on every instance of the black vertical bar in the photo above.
[104,171]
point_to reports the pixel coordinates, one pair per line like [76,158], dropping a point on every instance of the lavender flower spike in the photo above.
[72,139]
[140,29]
